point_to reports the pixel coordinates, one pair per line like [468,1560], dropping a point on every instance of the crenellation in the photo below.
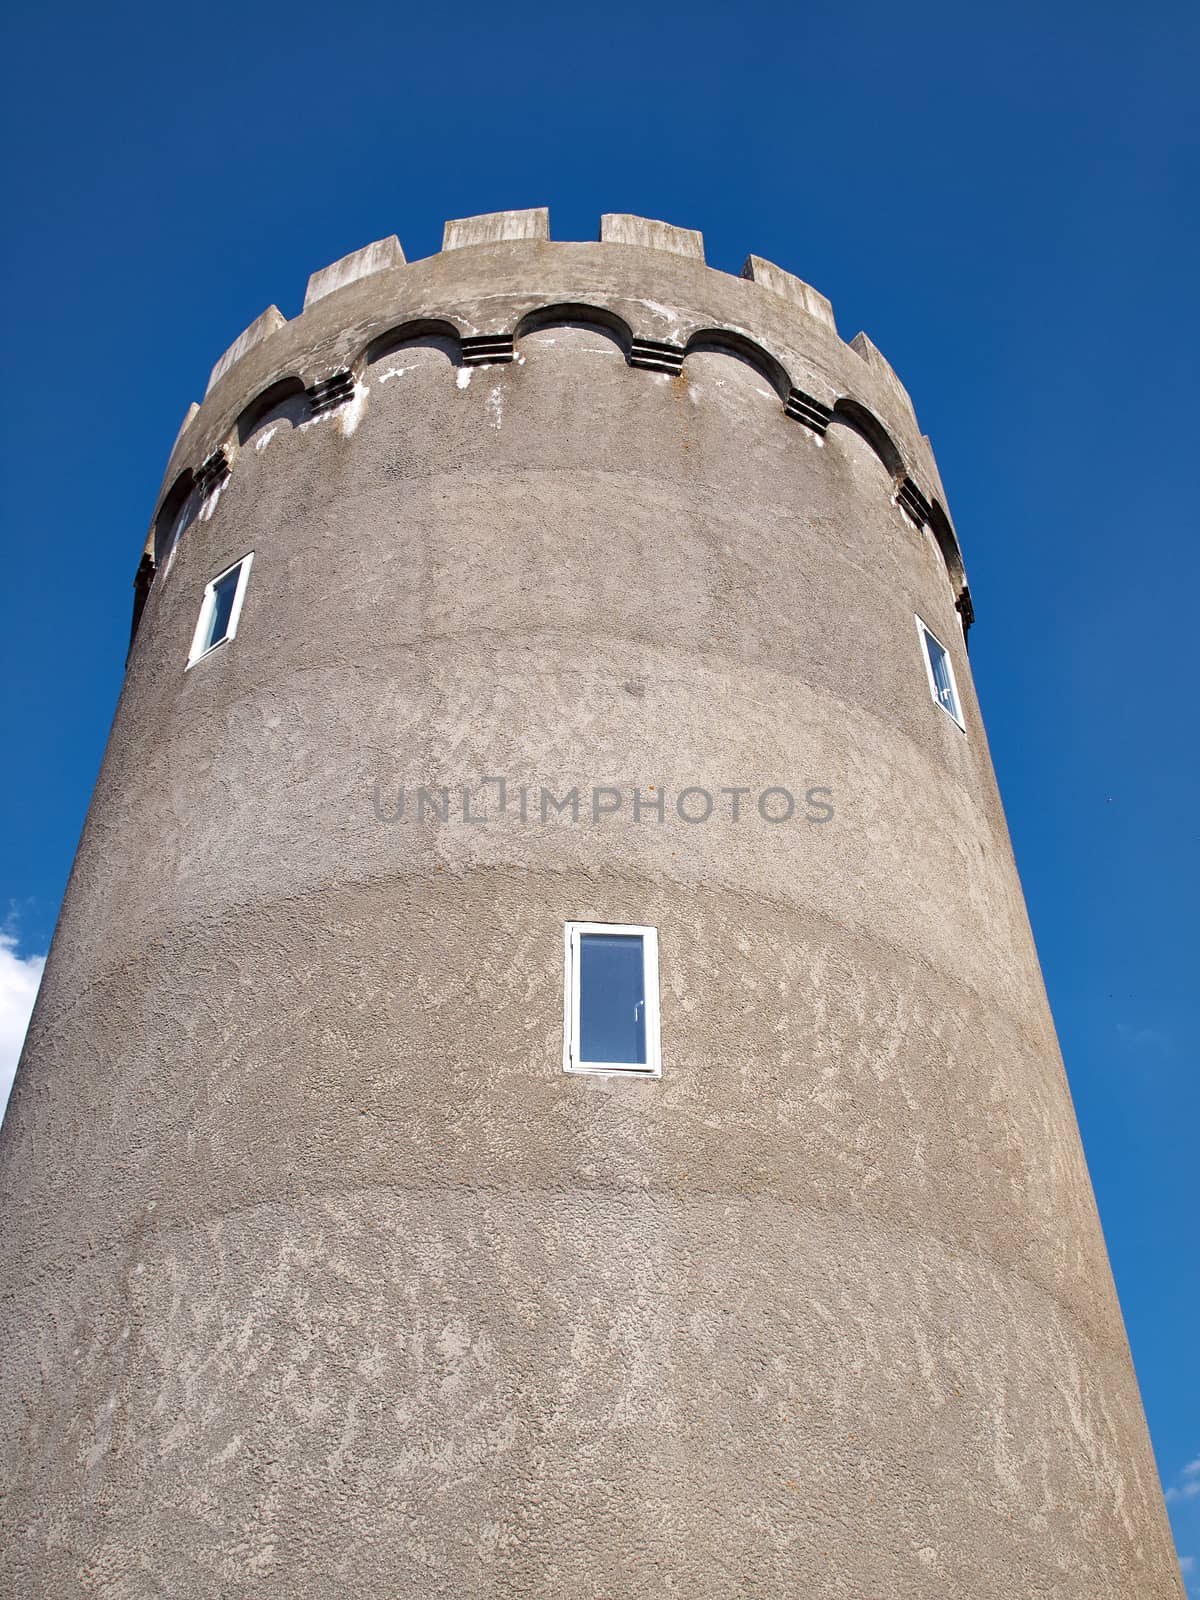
[495,227]
[879,363]
[186,423]
[381,256]
[353,273]
[621,228]
[790,288]
[925,449]
[661,294]
[261,328]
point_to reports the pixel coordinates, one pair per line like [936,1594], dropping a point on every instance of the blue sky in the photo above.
[1005,198]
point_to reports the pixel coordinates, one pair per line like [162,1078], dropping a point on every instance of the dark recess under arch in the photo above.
[427,330]
[570,314]
[853,415]
[723,341]
[271,399]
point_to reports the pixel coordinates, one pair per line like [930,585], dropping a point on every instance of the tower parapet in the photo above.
[657,291]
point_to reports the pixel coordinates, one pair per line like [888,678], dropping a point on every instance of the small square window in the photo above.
[610,1013]
[220,609]
[940,671]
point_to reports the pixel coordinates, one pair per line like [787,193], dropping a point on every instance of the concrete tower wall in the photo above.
[320,1277]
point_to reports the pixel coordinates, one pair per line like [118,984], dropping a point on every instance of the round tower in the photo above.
[543,1088]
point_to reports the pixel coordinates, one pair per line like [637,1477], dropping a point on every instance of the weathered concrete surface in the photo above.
[790,287]
[657,294]
[320,1278]
[621,228]
[377,257]
[265,324]
[496,226]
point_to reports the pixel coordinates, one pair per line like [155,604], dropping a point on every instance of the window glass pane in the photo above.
[941,674]
[612,998]
[223,593]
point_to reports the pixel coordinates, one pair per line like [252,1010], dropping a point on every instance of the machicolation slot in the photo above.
[331,392]
[914,502]
[656,356]
[213,471]
[810,412]
[485,349]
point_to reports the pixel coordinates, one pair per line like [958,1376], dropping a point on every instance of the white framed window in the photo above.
[610,1008]
[220,609]
[939,669]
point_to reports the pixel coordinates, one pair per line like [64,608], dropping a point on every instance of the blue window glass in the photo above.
[612,998]
[937,660]
[943,682]
[223,592]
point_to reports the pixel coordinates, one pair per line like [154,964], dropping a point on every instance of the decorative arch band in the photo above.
[334,388]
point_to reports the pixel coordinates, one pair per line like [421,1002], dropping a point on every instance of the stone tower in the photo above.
[321,1276]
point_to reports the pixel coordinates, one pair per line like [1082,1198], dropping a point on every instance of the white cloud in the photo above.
[1187,1565]
[19,979]
[1147,1040]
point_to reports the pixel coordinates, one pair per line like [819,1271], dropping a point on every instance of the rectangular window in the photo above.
[220,609]
[940,671]
[610,1014]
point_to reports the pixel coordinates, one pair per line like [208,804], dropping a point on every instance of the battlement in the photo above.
[498,275]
